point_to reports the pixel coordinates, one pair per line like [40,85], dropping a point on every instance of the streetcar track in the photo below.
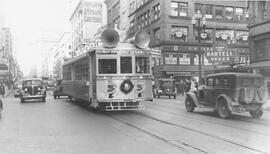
[186,117]
[176,125]
[156,136]
[203,133]
[244,120]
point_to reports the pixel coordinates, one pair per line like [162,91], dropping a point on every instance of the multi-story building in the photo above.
[62,51]
[86,19]
[170,27]
[259,30]
[117,14]
[171,30]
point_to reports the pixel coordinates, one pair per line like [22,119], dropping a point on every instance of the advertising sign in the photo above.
[220,55]
[92,12]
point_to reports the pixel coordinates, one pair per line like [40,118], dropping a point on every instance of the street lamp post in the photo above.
[199,22]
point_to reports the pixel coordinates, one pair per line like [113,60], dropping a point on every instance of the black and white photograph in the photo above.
[134,76]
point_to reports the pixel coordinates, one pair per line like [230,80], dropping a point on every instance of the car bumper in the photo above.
[33,96]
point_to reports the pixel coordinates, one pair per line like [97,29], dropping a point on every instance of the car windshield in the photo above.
[251,82]
[166,83]
[32,82]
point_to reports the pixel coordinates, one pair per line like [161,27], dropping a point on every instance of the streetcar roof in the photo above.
[120,46]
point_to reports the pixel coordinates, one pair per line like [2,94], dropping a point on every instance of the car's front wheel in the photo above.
[256,114]
[223,110]
[189,104]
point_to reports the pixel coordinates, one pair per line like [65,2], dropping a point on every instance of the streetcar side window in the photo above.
[142,65]
[126,64]
[107,66]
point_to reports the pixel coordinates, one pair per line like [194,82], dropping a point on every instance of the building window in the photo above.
[242,36]
[209,11]
[116,23]
[224,35]
[179,33]
[170,59]
[206,36]
[198,7]
[219,12]
[156,11]
[179,9]
[184,58]
[239,12]
[196,59]
[156,35]
[229,13]
[264,9]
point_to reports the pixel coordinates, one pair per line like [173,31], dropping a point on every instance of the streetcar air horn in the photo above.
[110,38]
[142,39]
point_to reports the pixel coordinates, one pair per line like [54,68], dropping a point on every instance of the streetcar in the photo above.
[114,76]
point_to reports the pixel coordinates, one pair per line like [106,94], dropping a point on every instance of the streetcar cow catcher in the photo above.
[114,76]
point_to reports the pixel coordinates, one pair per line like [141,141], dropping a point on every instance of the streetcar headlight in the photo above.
[38,89]
[25,89]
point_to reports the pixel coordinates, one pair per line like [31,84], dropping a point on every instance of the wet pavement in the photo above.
[60,126]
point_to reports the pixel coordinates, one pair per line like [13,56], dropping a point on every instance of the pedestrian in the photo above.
[2,89]
[187,86]
[192,85]
[182,87]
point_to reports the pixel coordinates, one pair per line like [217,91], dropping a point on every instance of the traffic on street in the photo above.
[63,126]
[135,77]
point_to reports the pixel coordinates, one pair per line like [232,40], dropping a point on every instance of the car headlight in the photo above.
[25,89]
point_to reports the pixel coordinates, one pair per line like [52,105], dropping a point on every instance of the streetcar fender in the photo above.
[193,97]
[228,101]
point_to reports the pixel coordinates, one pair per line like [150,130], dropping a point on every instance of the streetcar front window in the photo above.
[107,66]
[142,65]
[126,65]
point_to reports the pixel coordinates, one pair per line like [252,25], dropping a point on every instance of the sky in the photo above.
[33,20]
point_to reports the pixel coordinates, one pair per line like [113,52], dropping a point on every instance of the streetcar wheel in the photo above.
[223,110]
[256,114]
[54,96]
[174,96]
[22,100]
[169,96]
[158,96]
[189,104]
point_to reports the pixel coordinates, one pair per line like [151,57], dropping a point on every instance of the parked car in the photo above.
[33,89]
[17,88]
[58,90]
[230,92]
[166,87]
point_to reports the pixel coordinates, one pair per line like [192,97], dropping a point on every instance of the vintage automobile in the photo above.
[166,87]
[17,88]
[58,91]
[33,89]
[230,92]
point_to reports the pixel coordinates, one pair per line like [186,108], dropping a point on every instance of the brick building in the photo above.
[170,28]
[259,30]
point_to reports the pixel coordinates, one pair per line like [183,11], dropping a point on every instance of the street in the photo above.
[60,126]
